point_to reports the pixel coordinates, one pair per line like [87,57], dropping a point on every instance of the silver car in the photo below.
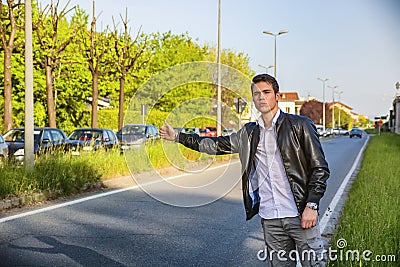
[3,149]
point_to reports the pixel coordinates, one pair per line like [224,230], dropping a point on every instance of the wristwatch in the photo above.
[313,206]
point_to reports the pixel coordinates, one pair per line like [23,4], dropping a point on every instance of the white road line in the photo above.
[331,207]
[73,202]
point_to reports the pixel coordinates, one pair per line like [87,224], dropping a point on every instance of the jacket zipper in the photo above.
[284,167]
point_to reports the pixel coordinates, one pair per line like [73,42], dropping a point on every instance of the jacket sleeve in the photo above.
[211,145]
[319,170]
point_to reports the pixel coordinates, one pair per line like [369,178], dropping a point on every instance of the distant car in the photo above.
[3,149]
[213,130]
[45,139]
[340,131]
[355,132]
[133,135]
[328,132]
[320,129]
[227,131]
[88,139]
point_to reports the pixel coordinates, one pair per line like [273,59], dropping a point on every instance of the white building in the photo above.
[287,103]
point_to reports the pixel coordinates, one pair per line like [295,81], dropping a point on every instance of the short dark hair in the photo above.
[265,78]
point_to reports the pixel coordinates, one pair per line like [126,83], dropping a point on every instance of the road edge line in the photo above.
[339,193]
[80,200]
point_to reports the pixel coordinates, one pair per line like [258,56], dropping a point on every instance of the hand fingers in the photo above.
[305,224]
[308,222]
[166,123]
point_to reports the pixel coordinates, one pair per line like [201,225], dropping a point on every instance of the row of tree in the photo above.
[75,64]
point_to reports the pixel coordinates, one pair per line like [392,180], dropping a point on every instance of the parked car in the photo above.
[320,129]
[227,131]
[336,131]
[88,139]
[45,140]
[213,130]
[133,135]
[355,132]
[205,132]
[3,149]
[328,132]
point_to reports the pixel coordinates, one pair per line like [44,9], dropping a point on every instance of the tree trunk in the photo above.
[121,102]
[7,89]
[95,96]
[51,111]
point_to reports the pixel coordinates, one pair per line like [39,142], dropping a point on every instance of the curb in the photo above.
[24,200]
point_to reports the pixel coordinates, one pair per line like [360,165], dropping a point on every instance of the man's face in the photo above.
[264,97]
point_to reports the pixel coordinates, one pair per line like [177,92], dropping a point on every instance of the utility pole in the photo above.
[333,104]
[323,100]
[275,35]
[219,107]
[28,131]
[340,105]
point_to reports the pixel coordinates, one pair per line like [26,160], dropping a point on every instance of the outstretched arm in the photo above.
[210,145]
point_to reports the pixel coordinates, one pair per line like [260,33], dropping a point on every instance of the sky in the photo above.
[354,43]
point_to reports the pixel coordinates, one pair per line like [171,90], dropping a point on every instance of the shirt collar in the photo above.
[274,120]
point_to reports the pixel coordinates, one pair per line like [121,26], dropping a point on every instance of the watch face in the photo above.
[313,206]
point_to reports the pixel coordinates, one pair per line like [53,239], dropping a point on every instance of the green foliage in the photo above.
[157,117]
[363,121]
[346,122]
[72,86]
[108,118]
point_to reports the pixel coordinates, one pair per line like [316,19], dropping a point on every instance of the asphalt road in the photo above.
[132,228]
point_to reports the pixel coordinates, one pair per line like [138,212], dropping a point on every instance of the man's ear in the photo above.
[278,96]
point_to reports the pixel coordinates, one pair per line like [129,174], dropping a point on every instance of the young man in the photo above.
[284,174]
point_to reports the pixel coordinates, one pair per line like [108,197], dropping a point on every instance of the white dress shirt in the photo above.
[276,197]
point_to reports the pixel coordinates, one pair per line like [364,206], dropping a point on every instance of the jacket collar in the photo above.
[278,116]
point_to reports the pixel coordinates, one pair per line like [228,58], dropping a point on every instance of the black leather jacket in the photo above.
[298,143]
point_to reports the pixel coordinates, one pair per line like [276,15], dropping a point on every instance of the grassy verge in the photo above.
[370,131]
[370,219]
[64,174]
[55,174]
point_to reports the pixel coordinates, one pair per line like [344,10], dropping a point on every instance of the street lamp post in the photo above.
[323,99]
[333,104]
[266,68]
[275,35]
[219,89]
[339,93]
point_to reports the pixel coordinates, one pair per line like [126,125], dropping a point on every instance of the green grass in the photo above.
[52,173]
[371,216]
[370,131]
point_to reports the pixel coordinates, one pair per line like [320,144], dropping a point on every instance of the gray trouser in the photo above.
[282,236]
